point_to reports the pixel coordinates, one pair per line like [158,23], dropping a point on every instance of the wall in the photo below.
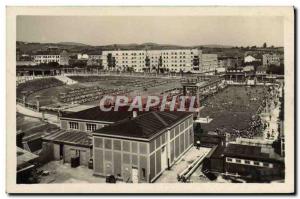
[118,157]
[70,151]
[64,123]
[176,141]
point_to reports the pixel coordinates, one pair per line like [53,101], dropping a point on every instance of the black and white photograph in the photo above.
[152,97]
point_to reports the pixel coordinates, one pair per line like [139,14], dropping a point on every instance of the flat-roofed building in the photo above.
[62,58]
[253,162]
[174,60]
[141,148]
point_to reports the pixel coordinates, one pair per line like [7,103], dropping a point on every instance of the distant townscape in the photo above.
[235,135]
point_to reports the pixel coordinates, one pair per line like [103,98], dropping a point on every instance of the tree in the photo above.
[265,45]
[159,63]
[147,64]
[111,61]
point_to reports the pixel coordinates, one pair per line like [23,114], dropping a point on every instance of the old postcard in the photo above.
[150,100]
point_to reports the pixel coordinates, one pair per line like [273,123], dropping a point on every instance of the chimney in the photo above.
[134,114]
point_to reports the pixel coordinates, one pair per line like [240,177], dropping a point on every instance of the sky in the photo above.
[177,30]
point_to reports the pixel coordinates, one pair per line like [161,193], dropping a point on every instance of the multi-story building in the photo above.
[62,58]
[140,149]
[150,60]
[73,141]
[271,59]
[229,62]
[209,62]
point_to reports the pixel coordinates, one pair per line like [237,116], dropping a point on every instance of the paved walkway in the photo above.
[63,173]
[170,176]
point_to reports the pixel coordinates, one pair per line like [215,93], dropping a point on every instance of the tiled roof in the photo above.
[23,157]
[143,126]
[95,114]
[70,137]
[246,151]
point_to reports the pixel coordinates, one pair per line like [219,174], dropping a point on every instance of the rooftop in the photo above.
[70,137]
[247,152]
[144,126]
[96,114]
[23,157]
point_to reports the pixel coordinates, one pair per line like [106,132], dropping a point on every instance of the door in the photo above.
[163,158]
[135,175]
[61,151]
[82,156]
[126,173]
[108,168]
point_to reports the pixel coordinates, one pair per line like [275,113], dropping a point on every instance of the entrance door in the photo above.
[83,158]
[108,168]
[163,158]
[61,151]
[126,173]
[135,175]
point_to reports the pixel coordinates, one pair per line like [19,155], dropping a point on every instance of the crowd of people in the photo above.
[236,111]
[89,94]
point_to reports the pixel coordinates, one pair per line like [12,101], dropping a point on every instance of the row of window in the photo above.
[119,145]
[164,53]
[161,140]
[47,56]
[89,126]
[249,162]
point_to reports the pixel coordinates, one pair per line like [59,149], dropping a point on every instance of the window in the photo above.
[229,160]
[73,125]
[247,162]
[126,146]
[134,147]
[107,144]
[117,145]
[152,146]
[91,127]
[157,142]
[256,163]
[98,142]
[238,161]
[266,164]
[143,148]
[143,173]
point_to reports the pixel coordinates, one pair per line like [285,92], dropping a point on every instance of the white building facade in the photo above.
[47,57]
[175,60]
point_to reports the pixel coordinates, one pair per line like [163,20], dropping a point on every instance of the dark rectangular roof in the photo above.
[144,126]
[77,138]
[247,152]
[96,114]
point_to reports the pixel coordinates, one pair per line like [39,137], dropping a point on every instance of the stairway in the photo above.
[66,80]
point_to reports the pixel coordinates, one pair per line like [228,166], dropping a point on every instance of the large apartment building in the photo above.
[150,60]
